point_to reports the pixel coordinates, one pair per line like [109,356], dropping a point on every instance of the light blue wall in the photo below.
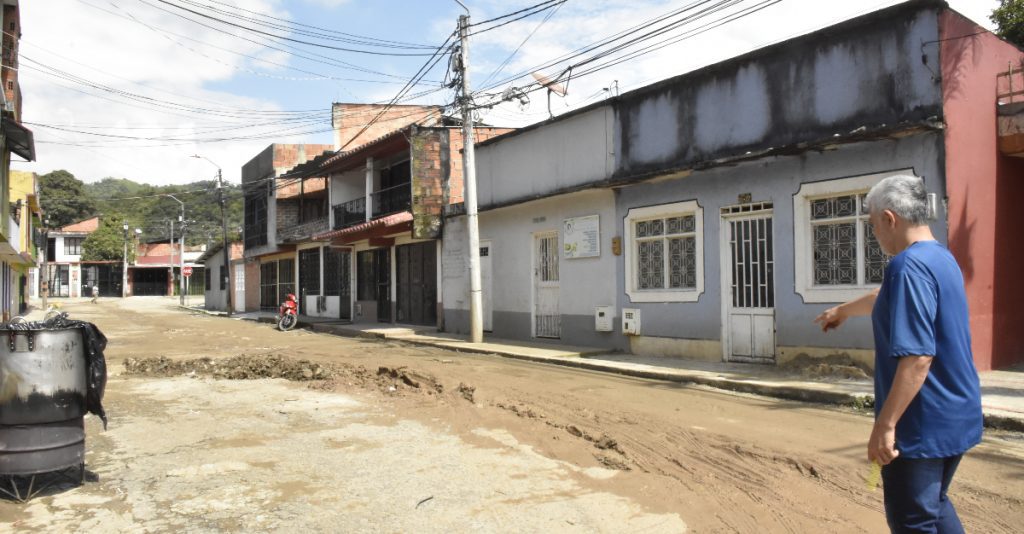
[774,179]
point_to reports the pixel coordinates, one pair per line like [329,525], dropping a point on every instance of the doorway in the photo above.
[416,270]
[547,321]
[748,283]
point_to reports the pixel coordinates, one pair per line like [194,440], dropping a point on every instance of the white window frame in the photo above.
[631,253]
[802,241]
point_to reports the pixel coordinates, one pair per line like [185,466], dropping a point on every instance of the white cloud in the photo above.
[577,24]
[81,36]
[89,39]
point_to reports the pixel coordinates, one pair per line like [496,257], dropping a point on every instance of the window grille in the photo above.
[666,252]
[336,273]
[268,286]
[549,259]
[844,249]
[309,271]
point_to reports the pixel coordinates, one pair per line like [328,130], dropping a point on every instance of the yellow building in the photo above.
[24,198]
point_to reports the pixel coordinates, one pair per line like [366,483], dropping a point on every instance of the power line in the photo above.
[286,38]
[516,51]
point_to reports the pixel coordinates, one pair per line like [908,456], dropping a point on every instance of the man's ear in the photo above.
[889,218]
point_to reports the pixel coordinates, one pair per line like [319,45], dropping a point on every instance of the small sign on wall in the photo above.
[581,237]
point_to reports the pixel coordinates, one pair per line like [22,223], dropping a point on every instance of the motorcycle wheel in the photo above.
[287,322]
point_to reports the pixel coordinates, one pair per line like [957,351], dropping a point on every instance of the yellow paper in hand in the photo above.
[874,476]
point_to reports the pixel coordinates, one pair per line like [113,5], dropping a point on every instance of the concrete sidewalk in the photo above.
[1002,391]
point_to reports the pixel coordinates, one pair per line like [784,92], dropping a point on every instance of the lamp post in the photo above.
[181,250]
[224,276]
[124,265]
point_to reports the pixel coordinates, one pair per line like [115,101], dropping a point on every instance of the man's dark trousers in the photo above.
[915,495]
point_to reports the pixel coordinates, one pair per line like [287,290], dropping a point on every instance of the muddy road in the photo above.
[371,436]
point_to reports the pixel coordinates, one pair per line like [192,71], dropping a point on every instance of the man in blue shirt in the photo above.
[927,394]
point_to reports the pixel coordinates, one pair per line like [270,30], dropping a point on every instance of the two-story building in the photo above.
[68,275]
[713,215]
[379,260]
[276,210]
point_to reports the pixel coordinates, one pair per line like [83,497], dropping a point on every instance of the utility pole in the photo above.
[476,324]
[170,241]
[124,266]
[181,251]
[44,278]
[225,277]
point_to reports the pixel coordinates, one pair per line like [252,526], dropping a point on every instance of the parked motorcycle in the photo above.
[288,314]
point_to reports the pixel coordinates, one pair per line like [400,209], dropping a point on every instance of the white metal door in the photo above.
[546,319]
[749,280]
[486,285]
[239,298]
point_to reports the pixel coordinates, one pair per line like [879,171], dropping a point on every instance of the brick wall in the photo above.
[12,91]
[287,214]
[349,119]
[429,170]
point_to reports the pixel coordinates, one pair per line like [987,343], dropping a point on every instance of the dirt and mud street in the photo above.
[229,425]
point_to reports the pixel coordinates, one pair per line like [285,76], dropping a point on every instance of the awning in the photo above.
[389,224]
[19,139]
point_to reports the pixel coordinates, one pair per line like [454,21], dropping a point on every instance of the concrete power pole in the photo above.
[224,276]
[476,324]
[124,267]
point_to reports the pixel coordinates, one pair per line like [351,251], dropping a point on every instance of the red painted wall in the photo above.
[985,189]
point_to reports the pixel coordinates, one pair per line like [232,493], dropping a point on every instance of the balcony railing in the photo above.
[392,200]
[349,213]
[299,232]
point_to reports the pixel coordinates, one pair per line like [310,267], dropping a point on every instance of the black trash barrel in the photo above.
[42,400]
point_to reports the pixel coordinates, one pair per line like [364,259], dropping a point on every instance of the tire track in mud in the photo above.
[721,476]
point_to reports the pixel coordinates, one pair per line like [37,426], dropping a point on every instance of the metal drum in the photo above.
[42,400]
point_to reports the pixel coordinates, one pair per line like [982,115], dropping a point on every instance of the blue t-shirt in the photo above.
[921,310]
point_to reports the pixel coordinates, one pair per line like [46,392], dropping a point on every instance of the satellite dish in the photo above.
[552,85]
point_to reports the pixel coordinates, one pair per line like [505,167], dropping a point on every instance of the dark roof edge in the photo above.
[862,20]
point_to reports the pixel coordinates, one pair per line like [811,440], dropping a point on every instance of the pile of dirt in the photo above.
[839,365]
[324,377]
[242,367]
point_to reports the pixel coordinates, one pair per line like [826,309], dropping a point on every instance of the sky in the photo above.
[135,88]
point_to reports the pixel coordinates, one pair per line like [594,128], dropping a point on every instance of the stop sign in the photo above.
[187,271]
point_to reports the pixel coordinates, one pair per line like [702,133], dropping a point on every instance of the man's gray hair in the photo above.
[903,195]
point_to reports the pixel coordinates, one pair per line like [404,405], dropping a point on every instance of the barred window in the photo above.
[666,253]
[73,246]
[844,249]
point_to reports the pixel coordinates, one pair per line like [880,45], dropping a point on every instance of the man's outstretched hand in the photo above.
[831,318]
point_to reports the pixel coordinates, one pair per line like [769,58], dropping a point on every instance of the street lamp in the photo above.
[225,278]
[181,253]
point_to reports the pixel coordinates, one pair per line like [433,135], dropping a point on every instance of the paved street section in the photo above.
[227,425]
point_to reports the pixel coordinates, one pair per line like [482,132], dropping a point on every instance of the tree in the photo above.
[107,242]
[1009,21]
[63,199]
